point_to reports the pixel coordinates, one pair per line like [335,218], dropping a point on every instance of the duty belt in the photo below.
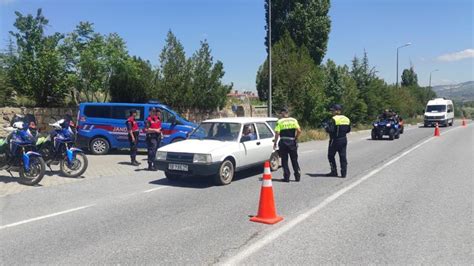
[287,138]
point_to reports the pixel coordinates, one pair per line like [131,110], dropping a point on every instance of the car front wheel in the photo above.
[226,173]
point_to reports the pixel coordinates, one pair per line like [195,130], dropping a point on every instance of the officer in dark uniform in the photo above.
[288,130]
[133,132]
[153,136]
[338,126]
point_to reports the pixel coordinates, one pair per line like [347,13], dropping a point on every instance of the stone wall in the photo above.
[44,116]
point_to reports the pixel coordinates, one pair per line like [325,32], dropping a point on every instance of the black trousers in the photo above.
[152,143]
[337,146]
[133,146]
[289,148]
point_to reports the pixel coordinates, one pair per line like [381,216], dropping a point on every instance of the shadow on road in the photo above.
[7,179]
[320,175]
[202,182]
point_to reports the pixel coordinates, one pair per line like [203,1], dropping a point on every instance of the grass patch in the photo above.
[312,134]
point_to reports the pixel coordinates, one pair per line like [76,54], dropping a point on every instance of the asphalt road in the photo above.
[404,201]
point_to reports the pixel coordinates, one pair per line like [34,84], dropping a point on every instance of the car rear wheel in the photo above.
[274,162]
[226,173]
[99,146]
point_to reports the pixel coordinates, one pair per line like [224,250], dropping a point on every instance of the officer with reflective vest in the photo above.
[338,126]
[287,130]
[153,136]
[133,132]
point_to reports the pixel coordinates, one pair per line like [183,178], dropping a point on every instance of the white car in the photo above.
[219,148]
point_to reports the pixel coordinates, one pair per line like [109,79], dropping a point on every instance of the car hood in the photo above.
[196,146]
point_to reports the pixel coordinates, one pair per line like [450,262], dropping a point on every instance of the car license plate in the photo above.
[178,167]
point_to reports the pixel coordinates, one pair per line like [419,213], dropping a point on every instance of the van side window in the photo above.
[97,111]
[122,112]
[166,115]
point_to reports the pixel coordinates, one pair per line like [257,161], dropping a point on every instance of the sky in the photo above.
[441,32]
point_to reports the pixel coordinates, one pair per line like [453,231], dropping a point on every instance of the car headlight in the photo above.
[161,155]
[388,125]
[202,158]
[376,125]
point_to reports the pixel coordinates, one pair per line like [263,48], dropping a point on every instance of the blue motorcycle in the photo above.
[17,154]
[57,148]
[386,127]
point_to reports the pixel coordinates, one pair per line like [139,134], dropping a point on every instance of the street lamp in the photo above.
[430,75]
[405,45]
[269,58]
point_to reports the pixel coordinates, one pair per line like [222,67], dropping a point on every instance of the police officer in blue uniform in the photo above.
[337,128]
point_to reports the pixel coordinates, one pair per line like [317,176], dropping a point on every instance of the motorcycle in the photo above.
[57,148]
[384,127]
[17,153]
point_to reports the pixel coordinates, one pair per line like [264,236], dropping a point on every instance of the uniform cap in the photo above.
[336,107]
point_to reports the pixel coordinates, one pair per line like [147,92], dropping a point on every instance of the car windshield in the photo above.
[217,131]
[435,108]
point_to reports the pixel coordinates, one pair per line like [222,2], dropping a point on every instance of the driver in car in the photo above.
[248,134]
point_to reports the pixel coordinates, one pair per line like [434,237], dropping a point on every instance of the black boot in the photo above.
[150,167]
[333,172]
[343,172]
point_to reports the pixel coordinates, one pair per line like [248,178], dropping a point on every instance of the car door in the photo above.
[265,135]
[250,147]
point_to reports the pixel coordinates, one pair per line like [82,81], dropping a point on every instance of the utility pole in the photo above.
[270,58]
[430,75]
[405,45]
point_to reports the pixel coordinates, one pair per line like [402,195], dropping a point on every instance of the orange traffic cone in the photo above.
[463,121]
[266,209]
[436,133]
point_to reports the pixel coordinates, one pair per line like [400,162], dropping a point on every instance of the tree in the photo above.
[209,92]
[6,88]
[296,82]
[91,61]
[409,78]
[38,71]
[307,22]
[132,81]
[341,88]
[175,78]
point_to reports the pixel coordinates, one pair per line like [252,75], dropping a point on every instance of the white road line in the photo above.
[303,152]
[153,189]
[239,257]
[44,217]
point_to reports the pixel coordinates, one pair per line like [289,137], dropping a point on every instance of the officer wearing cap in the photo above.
[288,130]
[133,132]
[153,136]
[338,126]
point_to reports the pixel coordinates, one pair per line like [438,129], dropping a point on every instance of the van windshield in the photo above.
[435,108]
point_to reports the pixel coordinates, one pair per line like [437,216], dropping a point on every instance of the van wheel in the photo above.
[451,124]
[99,146]
[226,173]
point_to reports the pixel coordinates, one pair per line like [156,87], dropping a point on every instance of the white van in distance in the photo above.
[439,110]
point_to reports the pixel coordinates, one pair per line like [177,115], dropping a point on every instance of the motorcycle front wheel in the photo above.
[77,167]
[34,175]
